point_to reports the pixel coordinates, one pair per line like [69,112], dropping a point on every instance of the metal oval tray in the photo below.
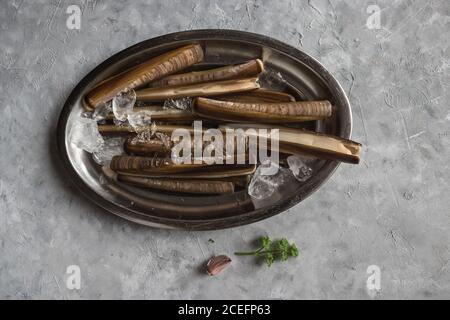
[304,77]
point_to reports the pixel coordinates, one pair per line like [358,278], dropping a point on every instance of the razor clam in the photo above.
[173,210]
[199,89]
[258,96]
[310,143]
[321,146]
[222,186]
[217,172]
[111,129]
[244,70]
[157,113]
[147,165]
[291,141]
[238,181]
[265,112]
[294,141]
[177,185]
[144,73]
[145,148]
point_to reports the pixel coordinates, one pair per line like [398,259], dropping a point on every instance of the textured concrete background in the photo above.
[392,210]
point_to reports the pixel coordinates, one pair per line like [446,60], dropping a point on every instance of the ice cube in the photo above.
[123,104]
[87,114]
[271,79]
[266,179]
[166,140]
[84,134]
[140,120]
[182,104]
[141,137]
[260,189]
[102,111]
[110,148]
[103,180]
[299,168]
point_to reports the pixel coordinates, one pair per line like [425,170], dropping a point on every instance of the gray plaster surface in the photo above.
[392,210]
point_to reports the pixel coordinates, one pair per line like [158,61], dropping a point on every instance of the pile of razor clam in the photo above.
[130,119]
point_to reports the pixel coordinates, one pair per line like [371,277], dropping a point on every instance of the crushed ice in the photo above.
[299,168]
[273,80]
[165,139]
[181,104]
[140,120]
[84,134]
[110,148]
[102,111]
[122,104]
[266,179]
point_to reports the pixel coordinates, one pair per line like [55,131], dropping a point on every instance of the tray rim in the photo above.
[211,224]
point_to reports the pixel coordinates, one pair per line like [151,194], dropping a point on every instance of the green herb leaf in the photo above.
[269,259]
[293,250]
[272,251]
[266,243]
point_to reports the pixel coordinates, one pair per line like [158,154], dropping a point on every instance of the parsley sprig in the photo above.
[273,250]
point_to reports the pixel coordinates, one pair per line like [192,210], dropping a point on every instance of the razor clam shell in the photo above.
[111,129]
[315,144]
[243,70]
[258,96]
[179,185]
[265,112]
[157,113]
[205,172]
[144,73]
[144,148]
[200,89]
[147,165]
